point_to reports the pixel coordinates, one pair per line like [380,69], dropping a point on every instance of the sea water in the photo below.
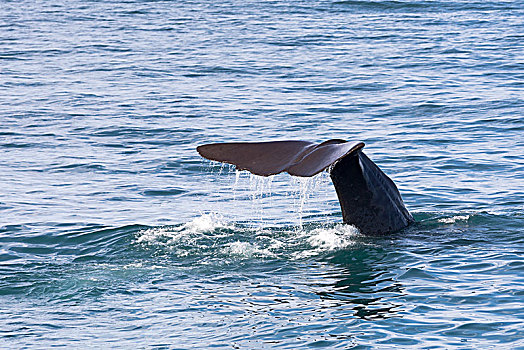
[114,233]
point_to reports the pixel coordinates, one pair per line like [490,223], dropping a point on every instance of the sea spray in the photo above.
[304,189]
[211,236]
[278,198]
[168,235]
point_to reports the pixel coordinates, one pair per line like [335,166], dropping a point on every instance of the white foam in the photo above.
[337,237]
[206,223]
[454,219]
[327,239]
[245,249]
[169,234]
[193,237]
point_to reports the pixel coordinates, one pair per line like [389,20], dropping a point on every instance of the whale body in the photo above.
[368,198]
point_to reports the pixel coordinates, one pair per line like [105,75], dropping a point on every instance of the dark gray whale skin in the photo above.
[369,199]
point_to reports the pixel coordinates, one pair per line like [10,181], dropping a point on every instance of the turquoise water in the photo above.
[115,233]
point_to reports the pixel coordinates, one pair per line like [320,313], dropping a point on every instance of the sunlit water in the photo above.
[115,233]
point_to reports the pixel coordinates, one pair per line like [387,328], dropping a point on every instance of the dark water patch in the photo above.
[425,6]
[17,145]
[139,132]
[222,70]
[164,192]
[388,5]
[7,257]
[83,167]
[8,133]
[115,145]
[11,229]
[15,56]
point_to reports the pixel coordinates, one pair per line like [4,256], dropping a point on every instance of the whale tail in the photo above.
[368,198]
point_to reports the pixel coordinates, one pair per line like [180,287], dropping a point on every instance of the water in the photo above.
[115,233]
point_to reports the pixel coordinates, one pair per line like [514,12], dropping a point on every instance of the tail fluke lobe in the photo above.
[299,158]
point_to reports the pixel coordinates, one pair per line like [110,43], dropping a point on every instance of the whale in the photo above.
[368,198]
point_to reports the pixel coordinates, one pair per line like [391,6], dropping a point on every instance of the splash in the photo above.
[304,190]
[212,238]
[261,194]
[168,235]
[325,239]
[306,186]
[454,219]
[338,237]
[246,250]
[206,223]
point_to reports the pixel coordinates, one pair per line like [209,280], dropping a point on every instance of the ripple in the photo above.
[109,220]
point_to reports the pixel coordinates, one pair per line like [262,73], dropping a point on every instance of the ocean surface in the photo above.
[115,233]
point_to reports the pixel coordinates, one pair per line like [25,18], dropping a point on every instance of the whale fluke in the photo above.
[369,199]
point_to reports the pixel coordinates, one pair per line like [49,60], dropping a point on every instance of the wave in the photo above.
[78,263]
[212,237]
[426,6]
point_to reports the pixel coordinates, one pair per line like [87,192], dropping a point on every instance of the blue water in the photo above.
[115,233]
